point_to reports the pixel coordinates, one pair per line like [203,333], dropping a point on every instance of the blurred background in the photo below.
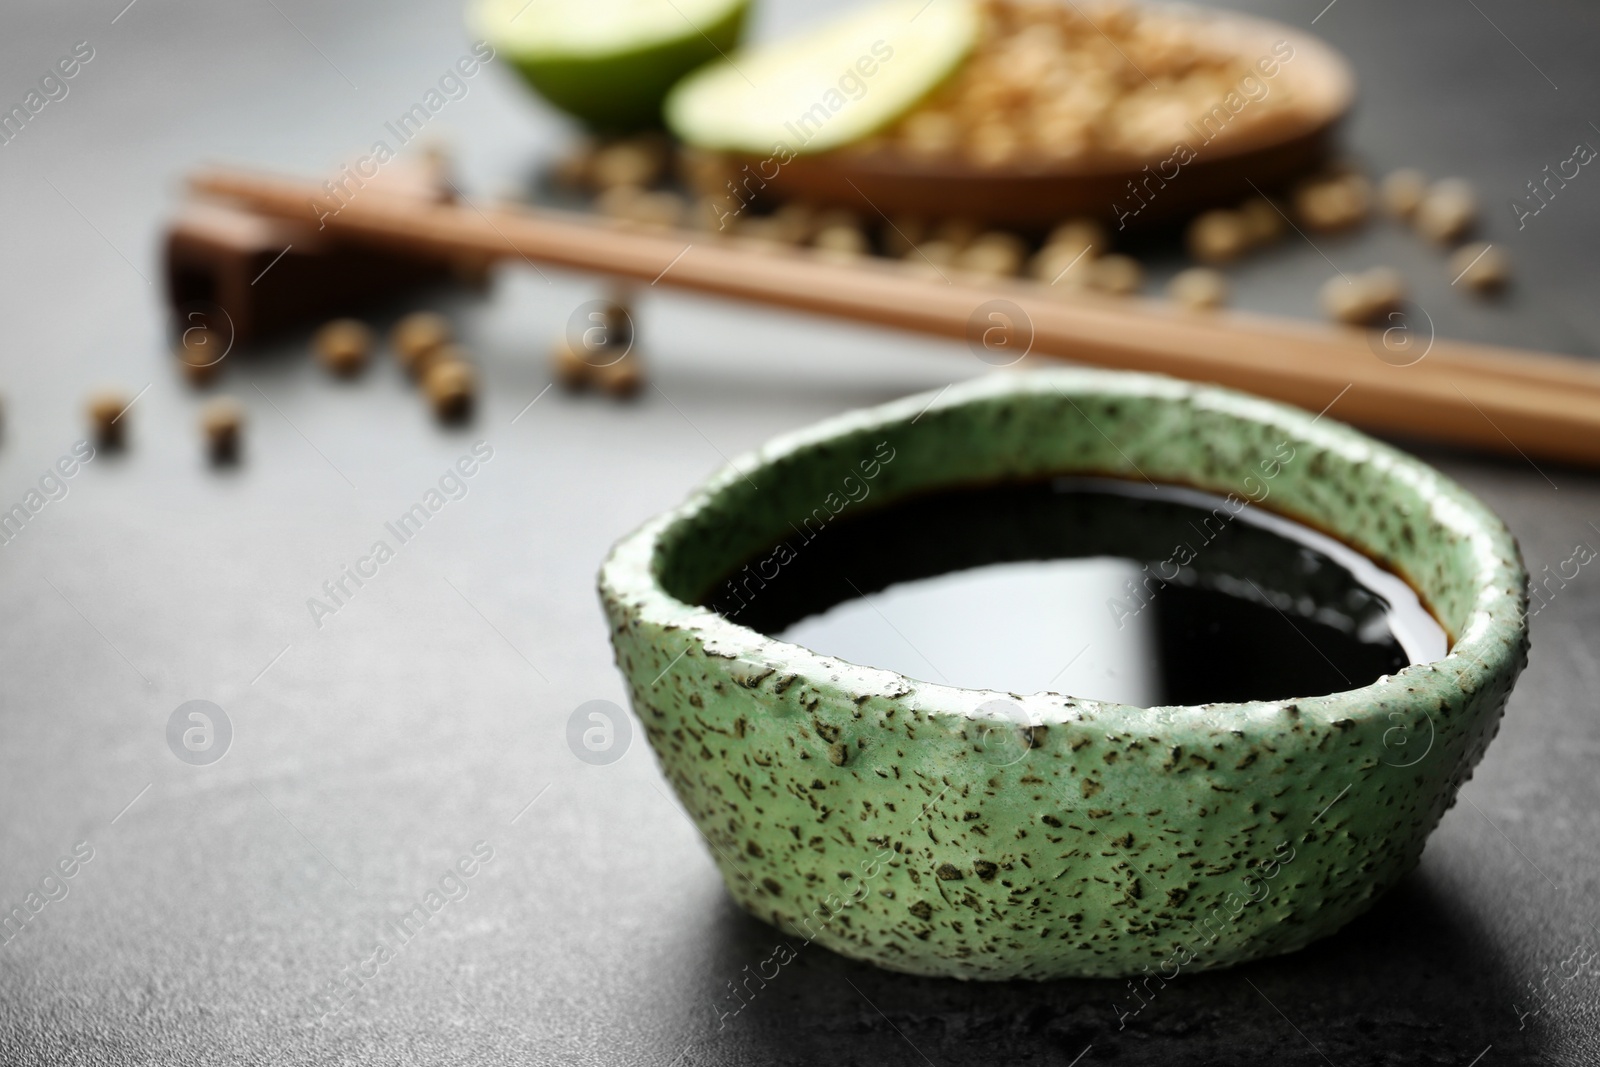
[368,752]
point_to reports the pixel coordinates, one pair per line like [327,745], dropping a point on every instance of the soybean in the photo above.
[416,337]
[221,421]
[1199,288]
[343,346]
[450,384]
[108,419]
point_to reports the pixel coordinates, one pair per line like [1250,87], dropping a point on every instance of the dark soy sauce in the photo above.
[1093,588]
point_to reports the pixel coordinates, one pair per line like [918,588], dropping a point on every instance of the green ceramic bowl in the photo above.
[975,834]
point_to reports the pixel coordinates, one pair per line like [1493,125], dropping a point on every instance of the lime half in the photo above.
[833,86]
[609,63]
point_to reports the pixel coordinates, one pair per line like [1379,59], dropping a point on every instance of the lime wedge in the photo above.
[833,86]
[609,63]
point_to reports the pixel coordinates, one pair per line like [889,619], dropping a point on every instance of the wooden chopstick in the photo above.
[1503,400]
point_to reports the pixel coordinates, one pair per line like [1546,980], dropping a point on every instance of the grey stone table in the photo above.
[419,731]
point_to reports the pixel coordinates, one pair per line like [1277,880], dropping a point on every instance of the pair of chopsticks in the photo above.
[1499,399]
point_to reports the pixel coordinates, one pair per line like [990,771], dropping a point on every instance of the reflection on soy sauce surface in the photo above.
[1092,588]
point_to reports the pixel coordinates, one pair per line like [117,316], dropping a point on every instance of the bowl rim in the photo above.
[1489,645]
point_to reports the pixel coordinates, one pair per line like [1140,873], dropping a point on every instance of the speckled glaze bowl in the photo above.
[986,835]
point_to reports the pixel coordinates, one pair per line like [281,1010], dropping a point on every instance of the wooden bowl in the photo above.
[1268,152]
